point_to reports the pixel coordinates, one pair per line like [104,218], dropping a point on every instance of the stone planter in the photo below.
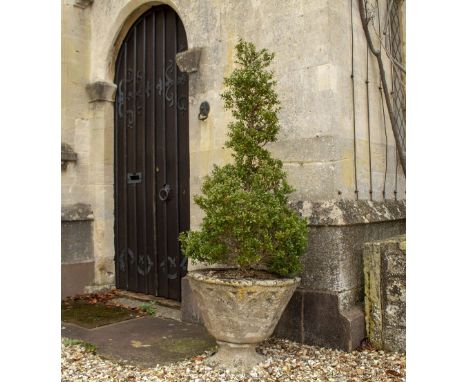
[240,314]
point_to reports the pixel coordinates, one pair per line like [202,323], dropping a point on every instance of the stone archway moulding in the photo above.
[107,41]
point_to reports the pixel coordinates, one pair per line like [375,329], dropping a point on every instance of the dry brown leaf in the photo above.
[393,373]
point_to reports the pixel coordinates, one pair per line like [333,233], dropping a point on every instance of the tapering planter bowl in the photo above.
[240,313]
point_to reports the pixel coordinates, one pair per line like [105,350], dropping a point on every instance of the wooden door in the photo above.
[151,156]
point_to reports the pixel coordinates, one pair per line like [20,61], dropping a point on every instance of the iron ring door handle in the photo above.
[164,192]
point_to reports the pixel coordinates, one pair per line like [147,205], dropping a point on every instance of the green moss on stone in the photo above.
[94,315]
[185,345]
[384,285]
[89,347]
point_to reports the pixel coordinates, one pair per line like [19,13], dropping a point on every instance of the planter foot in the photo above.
[241,357]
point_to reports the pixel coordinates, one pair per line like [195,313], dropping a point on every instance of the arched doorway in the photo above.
[151,156]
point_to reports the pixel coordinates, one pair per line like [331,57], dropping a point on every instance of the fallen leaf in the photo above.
[393,372]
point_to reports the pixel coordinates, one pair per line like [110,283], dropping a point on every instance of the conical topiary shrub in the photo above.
[247,220]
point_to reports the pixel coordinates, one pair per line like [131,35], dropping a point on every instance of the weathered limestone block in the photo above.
[338,230]
[385,293]
[332,289]
[188,60]
[351,212]
[68,155]
[101,91]
[77,212]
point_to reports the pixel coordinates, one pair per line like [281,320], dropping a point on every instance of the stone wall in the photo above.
[313,45]
[385,293]
[76,36]
[89,178]
[327,309]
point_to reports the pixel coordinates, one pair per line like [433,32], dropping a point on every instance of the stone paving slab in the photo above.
[159,310]
[145,341]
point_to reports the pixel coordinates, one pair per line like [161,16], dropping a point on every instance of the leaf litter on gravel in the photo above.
[286,361]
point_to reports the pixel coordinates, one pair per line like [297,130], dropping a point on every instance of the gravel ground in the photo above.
[287,361]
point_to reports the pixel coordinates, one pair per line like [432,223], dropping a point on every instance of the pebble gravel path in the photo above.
[287,361]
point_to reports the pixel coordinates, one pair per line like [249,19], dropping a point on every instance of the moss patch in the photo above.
[86,345]
[185,345]
[94,315]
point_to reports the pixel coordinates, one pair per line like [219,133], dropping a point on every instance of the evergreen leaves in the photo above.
[247,220]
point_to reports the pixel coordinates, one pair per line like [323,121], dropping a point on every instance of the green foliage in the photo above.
[149,308]
[247,220]
[90,348]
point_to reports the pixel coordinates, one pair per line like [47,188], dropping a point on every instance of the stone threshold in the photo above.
[147,298]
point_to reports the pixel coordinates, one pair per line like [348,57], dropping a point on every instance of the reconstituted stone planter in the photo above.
[240,313]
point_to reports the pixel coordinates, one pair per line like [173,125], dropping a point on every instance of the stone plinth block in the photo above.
[313,317]
[187,61]
[75,278]
[77,248]
[385,293]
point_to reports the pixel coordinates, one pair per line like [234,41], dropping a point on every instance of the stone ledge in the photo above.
[77,212]
[94,288]
[68,155]
[80,261]
[399,240]
[101,91]
[350,212]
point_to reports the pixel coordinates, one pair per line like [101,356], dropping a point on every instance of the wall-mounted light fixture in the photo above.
[204,110]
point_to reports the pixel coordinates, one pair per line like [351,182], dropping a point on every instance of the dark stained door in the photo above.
[151,156]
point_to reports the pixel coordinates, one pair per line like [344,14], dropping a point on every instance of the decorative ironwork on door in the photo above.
[151,156]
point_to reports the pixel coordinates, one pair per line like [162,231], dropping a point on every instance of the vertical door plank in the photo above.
[119,167]
[150,162]
[123,178]
[161,153]
[183,151]
[172,204]
[131,163]
[141,252]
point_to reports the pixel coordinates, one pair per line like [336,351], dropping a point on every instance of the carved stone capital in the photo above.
[187,61]
[82,3]
[101,91]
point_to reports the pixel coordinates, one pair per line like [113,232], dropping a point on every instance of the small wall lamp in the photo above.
[204,111]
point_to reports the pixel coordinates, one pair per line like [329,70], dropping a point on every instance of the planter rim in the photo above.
[200,275]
